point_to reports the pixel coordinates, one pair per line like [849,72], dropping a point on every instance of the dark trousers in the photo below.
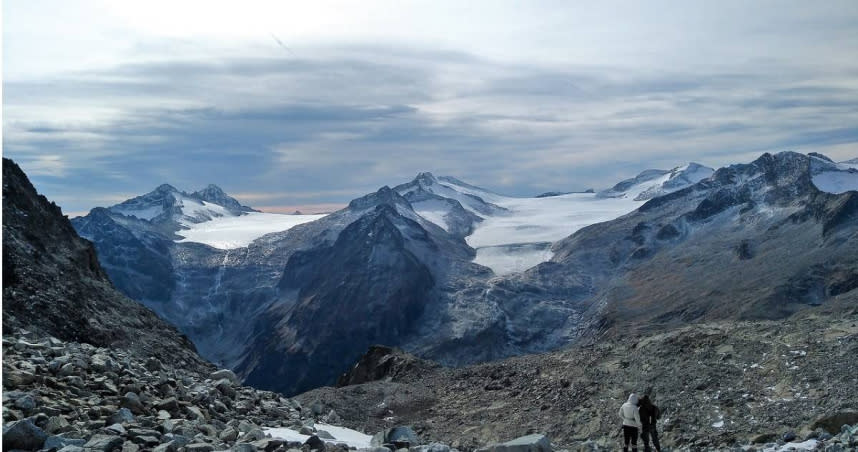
[630,434]
[648,432]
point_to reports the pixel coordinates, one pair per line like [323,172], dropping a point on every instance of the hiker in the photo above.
[649,414]
[631,422]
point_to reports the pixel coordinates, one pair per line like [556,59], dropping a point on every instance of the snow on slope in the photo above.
[834,177]
[230,232]
[836,181]
[500,240]
[342,435]
[433,210]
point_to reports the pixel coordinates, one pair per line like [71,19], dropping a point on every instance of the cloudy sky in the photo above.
[309,104]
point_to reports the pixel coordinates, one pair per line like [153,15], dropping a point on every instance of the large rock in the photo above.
[529,443]
[59,441]
[199,447]
[132,401]
[23,435]
[121,416]
[833,422]
[225,373]
[103,443]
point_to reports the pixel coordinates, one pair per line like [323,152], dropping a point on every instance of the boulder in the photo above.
[225,373]
[224,385]
[169,404]
[529,443]
[324,435]
[23,435]
[121,416]
[243,447]
[169,446]
[833,422]
[315,443]
[228,435]
[433,447]
[59,441]
[71,448]
[199,447]
[402,436]
[18,378]
[26,403]
[57,424]
[103,443]
[132,401]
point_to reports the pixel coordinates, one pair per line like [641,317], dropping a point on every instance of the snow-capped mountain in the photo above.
[448,270]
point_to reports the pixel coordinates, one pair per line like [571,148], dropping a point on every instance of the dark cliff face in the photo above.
[366,288]
[53,283]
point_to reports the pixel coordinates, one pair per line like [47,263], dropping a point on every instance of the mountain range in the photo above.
[459,274]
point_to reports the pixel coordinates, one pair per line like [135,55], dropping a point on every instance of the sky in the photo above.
[306,105]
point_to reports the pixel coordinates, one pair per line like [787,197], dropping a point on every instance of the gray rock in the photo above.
[529,443]
[71,448]
[131,447]
[254,434]
[225,373]
[57,424]
[169,446]
[375,449]
[315,443]
[307,430]
[224,385]
[18,378]
[169,404]
[199,447]
[244,426]
[153,364]
[103,443]
[243,447]
[26,403]
[115,429]
[67,369]
[132,401]
[228,435]
[208,430]
[121,416]
[324,435]
[101,363]
[432,447]
[59,441]
[23,435]
[402,435]
[194,413]
[146,440]
[163,415]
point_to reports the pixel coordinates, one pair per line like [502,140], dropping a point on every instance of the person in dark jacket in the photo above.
[649,413]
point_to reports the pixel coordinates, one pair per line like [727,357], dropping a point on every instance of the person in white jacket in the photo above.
[631,422]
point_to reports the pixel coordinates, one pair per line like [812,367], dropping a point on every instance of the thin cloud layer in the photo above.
[328,122]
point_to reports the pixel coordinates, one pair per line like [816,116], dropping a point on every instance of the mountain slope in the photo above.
[53,283]
[758,240]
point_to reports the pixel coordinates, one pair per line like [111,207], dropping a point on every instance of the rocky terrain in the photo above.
[721,386]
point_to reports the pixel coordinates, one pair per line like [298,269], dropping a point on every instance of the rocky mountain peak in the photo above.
[384,195]
[214,194]
[425,179]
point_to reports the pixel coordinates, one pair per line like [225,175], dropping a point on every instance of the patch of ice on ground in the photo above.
[719,424]
[349,437]
[230,232]
[805,445]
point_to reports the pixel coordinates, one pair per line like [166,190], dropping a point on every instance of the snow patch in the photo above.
[147,213]
[836,181]
[230,232]
[805,445]
[506,259]
[433,210]
[342,435]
